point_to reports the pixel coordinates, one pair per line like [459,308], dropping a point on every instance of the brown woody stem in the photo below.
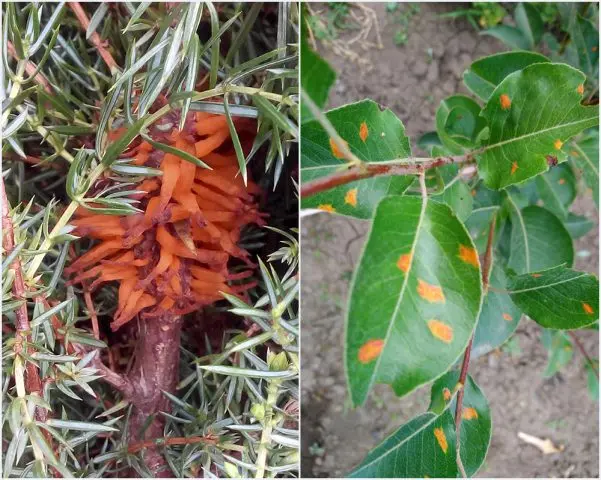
[155,369]
[33,383]
[406,166]
[586,356]
[95,39]
[486,268]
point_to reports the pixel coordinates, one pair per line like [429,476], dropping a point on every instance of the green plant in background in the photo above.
[403,19]
[480,14]
[328,26]
[463,243]
[567,30]
[72,74]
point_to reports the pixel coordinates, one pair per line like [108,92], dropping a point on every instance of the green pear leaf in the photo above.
[531,114]
[476,423]
[373,135]
[559,297]
[415,297]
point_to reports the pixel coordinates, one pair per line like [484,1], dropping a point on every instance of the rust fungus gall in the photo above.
[514,167]
[370,350]
[469,255]
[335,150]
[351,197]
[587,309]
[469,413]
[507,317]
[558,144]
[441,330]
[431,293]
[173,258]
[441,438]
[326,207]
[580,89]
[446,394]
[363,132]
[404,262]
[505,101]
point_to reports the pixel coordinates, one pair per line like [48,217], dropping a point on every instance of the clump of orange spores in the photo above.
[173,258]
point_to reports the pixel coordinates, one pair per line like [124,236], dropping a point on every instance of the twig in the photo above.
[136,447]
[33,383]
[404,166]
[94,38]
[486,268]
[30,68]
[583,352]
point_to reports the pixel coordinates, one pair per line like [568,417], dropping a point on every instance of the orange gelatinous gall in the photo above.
[507,317]
[469,255]
[335,150]
[580,89]
[370,350]
[441,330]
[441,438]
[173,258]
[351,197]
[431,293]
[514,167]
[587,309]
[404,262]
[363,132]
[505,101]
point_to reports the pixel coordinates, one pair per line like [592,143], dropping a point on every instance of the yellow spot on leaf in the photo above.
[558,144]
[469,255]
[404,262]
[370,350]
[327,208]
[441,330]
[469,413]
[505,102]
[335,150]
[441,439]
[562,181]
[363,132]
[351,197]
[446,394]
[507,317]
[580,89]
[587,309]
[431,293]
[514,167]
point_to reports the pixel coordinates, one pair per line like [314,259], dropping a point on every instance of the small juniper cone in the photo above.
[173,258]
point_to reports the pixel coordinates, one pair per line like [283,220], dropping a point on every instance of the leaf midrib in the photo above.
[524,230]
[418,228]
[541,287]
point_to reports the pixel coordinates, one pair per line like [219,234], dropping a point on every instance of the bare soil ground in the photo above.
[334,437]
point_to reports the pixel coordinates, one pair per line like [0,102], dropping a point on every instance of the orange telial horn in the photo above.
[173,258]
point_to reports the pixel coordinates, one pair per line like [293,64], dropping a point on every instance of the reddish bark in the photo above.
[155,369]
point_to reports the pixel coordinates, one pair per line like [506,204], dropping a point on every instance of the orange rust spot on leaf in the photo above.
[587,308]
[370,350]
[514,167]
[441,330]
[469,413]
[363,132]
[335,150]
[446,394]
[404,262]
[580,89]
[505,101]
[326,207]
[562,181]
[473,193]
[351,197]
[558,144]
[441,439]
[431,293]
[536,275]
[594,49]
[507,317]
[469,255]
